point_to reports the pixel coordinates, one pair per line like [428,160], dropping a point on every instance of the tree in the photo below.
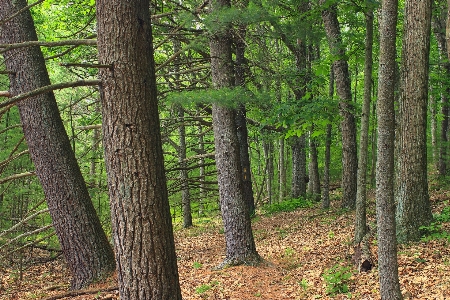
[346,107]
[360,222]
[142,227]
[413,208]
[240,245]
[385,206]
[85,246]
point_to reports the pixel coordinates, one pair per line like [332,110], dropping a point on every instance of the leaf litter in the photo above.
[297,247]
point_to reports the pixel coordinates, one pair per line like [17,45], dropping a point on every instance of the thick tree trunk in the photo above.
[281,170]
[240,245]
[385,206]
[413,208]
[142,227]
[87,251]
[241,123]
[360,216]
[298,187]
[346,107]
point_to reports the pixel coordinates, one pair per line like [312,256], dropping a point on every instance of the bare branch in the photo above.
[89,127]
[84,65]
[5,94]
[8,47]
[20,11]
[16,176]
[48,88]
[23,221]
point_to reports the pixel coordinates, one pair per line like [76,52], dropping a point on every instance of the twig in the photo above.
[48,88]
[85,42]
[20,11]
[81,292]
[16,176]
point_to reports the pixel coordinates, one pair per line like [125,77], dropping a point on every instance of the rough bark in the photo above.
[281,170]
[85,246]
[439,27]
[141,222]
[298,187]
[314,178]
[346,107]
[241,122]
[268,156]
[413,208]
[326,168]
[385,206]
[240,245]
[360,215]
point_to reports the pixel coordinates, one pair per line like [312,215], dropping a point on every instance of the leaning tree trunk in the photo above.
[141,222]
[413,208]
[360,215]
[385,206]
[86,249]
[346,107]
[240,245]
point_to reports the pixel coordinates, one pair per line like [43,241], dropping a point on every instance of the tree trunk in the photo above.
[360,218]
[314,179]
[326,169]
[439,28]
[240,245]
[85,246]
[281,170]
[346,107]
[385,206]
[241,123]
[298,166]
[268,155]
[141,222]
[413,208]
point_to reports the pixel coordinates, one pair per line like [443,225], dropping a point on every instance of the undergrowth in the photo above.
[287,205]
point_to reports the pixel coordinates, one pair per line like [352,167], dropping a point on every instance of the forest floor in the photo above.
[298,248]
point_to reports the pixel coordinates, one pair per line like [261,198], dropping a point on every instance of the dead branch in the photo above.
[13,157]
[16,176]
[81,292]
[49,88]
[23,221]
[89,127]
[85,42]
[5,94]
[25,234]
[20,11]
[83,65]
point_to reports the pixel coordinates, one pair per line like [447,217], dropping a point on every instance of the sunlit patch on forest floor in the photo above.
[298,249]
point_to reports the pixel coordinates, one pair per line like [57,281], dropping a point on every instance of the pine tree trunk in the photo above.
[413,208]
[314,179]
[360,218]
[326,168]
[241,122]
[86,249]
[281,170]
[385,206]
[346,107]
[141,221]
[240,245]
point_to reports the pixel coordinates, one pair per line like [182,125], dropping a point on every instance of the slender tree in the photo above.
[240,245]
[360,222]
[385,206]
[86,249]
[141,222]
[413,208]
[346,107]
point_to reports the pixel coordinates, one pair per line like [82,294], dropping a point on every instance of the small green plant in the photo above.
[289,252]
[304,284]
[434,231]
[287,205]
[206,287]
[337,279]
[196,265]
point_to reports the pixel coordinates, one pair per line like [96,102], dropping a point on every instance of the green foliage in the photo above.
[206,287]
[337,279]
[287,205]
[196,265]
[434,231]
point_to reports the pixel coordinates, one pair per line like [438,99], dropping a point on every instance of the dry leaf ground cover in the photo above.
[298,248]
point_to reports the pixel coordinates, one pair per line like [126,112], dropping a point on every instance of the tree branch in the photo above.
[8,47]
[20,11]
[16,176]
[49,88]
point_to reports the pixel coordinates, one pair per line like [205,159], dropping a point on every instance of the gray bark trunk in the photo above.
[360,219]
[346,107]
[141,221]
[385,206]
[298,187]
[86,249]
[413,208]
